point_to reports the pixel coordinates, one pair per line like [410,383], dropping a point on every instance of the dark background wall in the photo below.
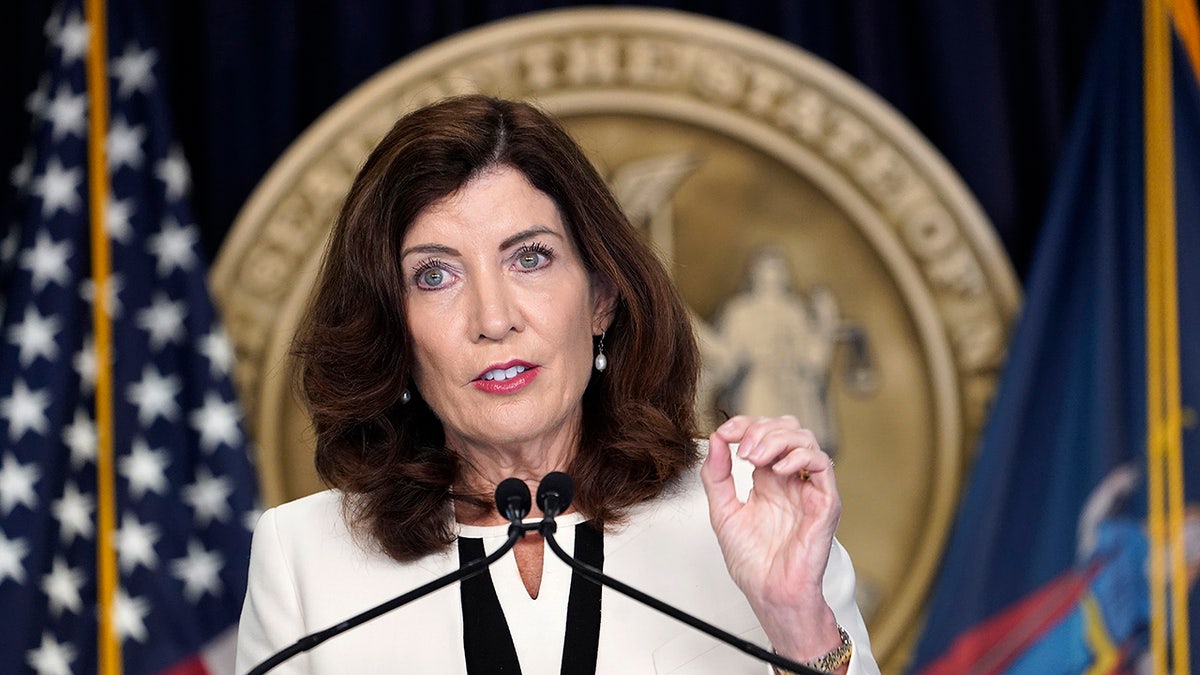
[990,82]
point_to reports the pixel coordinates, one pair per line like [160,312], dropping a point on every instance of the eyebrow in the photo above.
[428,248]
[526,234]
[442,249]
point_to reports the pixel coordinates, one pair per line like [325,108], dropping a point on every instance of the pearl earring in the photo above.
[601,360]
[405,396]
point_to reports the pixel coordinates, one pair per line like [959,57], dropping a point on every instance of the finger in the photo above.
[732,429]
[750,447]
[773,443]
[716,474]
[805,459]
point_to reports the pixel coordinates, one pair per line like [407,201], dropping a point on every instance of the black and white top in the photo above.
[307,572]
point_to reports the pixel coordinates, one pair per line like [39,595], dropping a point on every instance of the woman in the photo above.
[486,311]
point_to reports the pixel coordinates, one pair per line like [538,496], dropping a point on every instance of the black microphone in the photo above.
[554,495]
[512,500]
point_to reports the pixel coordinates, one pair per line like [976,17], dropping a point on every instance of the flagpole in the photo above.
[1153,88]
[1164,452]
[109,644]
[1184,18]
[1173,414]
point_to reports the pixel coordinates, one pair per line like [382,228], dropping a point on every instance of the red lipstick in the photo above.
[506,378]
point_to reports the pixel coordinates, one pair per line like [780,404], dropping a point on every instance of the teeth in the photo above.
[501,374]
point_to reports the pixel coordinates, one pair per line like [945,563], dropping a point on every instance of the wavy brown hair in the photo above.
[354,353]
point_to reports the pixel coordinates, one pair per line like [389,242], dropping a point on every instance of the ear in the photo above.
[604,304]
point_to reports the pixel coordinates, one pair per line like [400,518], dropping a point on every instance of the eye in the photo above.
[431,274]
[533,256]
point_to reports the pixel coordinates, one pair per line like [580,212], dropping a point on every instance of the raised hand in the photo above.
[776,544]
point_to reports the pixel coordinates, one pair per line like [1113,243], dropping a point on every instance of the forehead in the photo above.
[496,202]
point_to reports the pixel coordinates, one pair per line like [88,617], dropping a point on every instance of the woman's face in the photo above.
[502,314]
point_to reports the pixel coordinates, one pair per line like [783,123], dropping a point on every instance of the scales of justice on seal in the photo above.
[836,267]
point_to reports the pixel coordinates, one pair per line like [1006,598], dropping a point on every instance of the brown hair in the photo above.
[355,355]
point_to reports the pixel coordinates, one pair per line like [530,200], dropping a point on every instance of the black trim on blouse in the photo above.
[487,642]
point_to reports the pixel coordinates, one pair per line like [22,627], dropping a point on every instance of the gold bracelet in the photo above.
[835,659]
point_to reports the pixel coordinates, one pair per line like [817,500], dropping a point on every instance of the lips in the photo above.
[505,378]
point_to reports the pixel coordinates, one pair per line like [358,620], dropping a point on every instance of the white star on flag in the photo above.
[199,571]
[133,70]
[173,171]
[135,544]
[217,349]
[217,422]
[129,615]
[16,484]
[25,411]
[12,557]
[58,188]
[21,174]
[154,395]
[163,320]
[34,337]
[208,496]
[174,247]
[84,363]
[62,586]
[74,513]
[51,657]
[80,437]
[144,469]
[72,39]
[125,145]
[67,113]
[47,261]
[37,102]
[120,211]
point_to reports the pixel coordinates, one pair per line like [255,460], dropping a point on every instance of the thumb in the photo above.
[717,476]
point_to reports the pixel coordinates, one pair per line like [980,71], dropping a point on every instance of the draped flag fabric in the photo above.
[184,485]
[1047,570]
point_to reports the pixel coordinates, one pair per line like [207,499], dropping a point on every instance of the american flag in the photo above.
[185,491]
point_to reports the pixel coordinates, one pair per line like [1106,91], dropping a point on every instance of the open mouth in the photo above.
[501,374]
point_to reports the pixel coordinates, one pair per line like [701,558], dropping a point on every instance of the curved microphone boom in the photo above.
[512,500]
[554,495]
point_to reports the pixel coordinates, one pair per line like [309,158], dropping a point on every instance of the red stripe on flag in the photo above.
[994,644]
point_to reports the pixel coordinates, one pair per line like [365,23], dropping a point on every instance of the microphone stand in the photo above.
[513,505]
[548,527]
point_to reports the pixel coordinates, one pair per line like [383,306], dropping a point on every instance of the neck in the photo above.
[486,464]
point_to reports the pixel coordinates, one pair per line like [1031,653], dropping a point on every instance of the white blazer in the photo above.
[308,572]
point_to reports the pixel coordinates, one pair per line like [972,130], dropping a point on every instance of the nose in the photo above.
[496,311]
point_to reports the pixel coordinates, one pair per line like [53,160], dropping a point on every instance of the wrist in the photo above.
[800,633]
[832,661]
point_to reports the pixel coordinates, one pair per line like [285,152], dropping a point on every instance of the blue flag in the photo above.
[1046,568]
[185,488]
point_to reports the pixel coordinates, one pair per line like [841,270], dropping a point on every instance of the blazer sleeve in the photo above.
[838,587]
[271,615]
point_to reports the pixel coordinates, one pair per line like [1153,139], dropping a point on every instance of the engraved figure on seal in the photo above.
[771,350]
[781,346]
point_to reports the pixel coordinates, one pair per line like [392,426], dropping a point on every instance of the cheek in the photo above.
[576,340]
[430,355]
